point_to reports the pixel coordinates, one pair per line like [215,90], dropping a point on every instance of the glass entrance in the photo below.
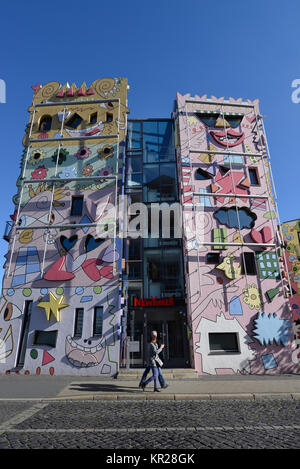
[171,331]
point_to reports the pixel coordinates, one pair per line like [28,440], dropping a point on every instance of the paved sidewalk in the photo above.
[125,387]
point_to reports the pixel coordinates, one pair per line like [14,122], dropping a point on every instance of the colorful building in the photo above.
[86,279]
[291,237]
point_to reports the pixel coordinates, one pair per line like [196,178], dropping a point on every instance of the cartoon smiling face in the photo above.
[224,129]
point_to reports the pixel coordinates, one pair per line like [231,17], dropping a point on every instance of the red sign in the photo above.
[153,302]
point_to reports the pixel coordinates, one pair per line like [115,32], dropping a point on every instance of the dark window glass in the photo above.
[135,249]
[78,322]
[234,121]
[213,258]
[201,174]
[223,342]
[109,117]
[77,205]
[134,270]
[253,177]
[45,123]
[45,338]
[98,320]
[208,119]
[74,121]
[93,118]
[249,259]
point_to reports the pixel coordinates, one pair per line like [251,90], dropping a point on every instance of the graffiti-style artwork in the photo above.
[64,254]
[223,170]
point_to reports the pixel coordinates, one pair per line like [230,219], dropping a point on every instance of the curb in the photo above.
[162,397]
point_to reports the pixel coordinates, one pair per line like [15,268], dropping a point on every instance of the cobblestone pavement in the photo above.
[226,424]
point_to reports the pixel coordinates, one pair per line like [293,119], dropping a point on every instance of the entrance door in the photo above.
[24,335]
[171,331]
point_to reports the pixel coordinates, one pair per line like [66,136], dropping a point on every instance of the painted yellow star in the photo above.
[54,305]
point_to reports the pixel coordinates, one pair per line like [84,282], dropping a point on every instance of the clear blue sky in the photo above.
[248,49]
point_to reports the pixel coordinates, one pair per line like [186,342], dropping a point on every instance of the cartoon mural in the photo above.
[237,306]
[60,308]
[291,237]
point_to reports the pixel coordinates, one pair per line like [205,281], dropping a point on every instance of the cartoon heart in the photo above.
[90,268]
[256,236]
[73,264]
[56,272]
[66,243]
[92,243]
[266,234]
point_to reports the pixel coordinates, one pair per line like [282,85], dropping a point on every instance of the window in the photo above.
[253,177]
[109,117]
[78,322]
[93,118]
[74,121]
[201,174]
[248,261]
[213,258]
[77,205]
[98,320]
[45,123]
[223,342]
[45,338]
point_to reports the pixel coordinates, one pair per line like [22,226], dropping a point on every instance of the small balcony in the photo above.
[7,230]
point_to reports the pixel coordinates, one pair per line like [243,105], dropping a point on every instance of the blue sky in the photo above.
[247,49]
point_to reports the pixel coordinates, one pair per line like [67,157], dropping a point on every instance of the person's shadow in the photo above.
[98,387]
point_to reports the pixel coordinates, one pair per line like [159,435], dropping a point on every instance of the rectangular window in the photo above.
[213,258]
[74,121]
[223,342]
[93,118]
[220,235]
[45,338]
[248,261]
[78,322]
[98,320]
[77,205]
[253,177]
[109,117]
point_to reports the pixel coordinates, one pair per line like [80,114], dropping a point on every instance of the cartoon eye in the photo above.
[209,119]
[11,312]
[234,121]
[288,237]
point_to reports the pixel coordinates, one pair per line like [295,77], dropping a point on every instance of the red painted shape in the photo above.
[245,183]
[256,236]
[51,370]
[81,92]
[38,370]
[266,234]
[36,87]
[61,93]
[55,273]
[90,269]
[214,187]
[71,92]
[47,358]
[91,91]
[226,183]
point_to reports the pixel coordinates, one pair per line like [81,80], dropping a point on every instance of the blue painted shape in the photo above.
[18,280]
[204,201]
[235,307]
[228,217]
[68,243]
[85,299]
[10,292]
[44,291]
[79,290]
[269,361]
[32,268]
[85,219]
[269,329]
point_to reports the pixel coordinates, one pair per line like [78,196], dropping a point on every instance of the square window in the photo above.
[213,258]
[223,342]
[93,118]
[74,121]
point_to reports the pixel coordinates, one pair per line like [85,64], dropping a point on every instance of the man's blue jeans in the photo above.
[159,373]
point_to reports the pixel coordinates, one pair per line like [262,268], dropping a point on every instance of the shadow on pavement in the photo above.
[93,387]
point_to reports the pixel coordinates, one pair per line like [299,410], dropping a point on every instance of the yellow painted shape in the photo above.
[54,305]
[229,267]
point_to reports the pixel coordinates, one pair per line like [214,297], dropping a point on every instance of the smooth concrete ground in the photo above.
[126,387]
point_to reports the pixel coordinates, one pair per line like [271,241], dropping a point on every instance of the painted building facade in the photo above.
[291,236]
[237,294]
[81,294]
[60,306]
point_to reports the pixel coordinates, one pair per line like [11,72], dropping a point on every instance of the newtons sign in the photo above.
[153,302]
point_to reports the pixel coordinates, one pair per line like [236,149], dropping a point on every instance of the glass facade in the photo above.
[154,263]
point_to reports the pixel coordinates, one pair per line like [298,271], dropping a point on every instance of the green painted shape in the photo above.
[220,235]
[272,293]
